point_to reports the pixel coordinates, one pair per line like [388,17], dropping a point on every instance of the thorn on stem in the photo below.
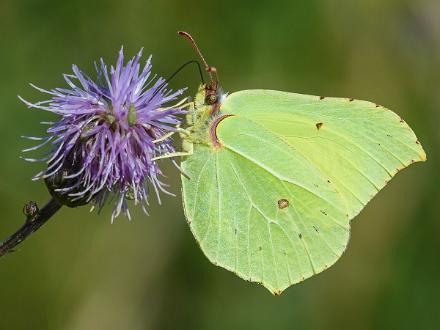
[30,209]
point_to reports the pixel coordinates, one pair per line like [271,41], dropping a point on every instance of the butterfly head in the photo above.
[212,92]
[206,106]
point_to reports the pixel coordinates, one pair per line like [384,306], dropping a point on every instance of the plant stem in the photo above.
[35,219]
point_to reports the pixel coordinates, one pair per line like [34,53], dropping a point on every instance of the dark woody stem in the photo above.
[35,218]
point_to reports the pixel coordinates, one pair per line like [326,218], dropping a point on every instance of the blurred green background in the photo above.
[81,272]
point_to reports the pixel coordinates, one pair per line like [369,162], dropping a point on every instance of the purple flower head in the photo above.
[108,133]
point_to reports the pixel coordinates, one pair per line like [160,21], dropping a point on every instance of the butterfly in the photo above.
[272,180]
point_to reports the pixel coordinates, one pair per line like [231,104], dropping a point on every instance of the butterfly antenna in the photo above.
[183,66]
[212,71]
[175,73]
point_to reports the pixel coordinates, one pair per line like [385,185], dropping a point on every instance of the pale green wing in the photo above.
[357,144]
[274,203]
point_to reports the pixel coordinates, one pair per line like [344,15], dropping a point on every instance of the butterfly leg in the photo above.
[164,137]
[173,154]
[185,103]
[179,130]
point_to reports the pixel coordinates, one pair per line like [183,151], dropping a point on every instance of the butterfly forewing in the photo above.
[273,201]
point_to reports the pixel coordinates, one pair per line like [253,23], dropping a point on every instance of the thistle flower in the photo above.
[108,135]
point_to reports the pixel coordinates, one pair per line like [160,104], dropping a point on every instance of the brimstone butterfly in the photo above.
[273,179]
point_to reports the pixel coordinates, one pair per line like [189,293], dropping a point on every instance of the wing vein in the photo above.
[197,188]
[218,205]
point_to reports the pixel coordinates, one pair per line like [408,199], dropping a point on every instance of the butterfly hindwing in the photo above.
[273,201]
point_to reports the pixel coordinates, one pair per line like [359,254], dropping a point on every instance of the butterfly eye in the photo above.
[210,99]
